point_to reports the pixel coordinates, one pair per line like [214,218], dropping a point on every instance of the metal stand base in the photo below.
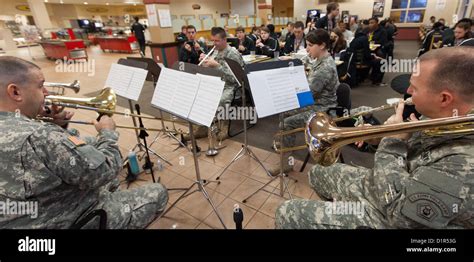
[199,182]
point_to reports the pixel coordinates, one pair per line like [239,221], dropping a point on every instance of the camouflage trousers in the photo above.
[348,187]
[297,120]
[132,209]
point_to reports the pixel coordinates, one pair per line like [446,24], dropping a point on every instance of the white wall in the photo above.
[243,7]
[184,7]
[363,8]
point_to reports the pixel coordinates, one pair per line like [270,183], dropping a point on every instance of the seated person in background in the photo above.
[378,35]
[354,25]
[246,45]
[273,35]
[433,39]
[348,35]
[65,176]
[217,61]
[229,35]
[181,37]
[286,33]
[323,82]
[192,49]
[255,35]
[338,43]
[408,167]
[462,32]
[296,41]
[266,45]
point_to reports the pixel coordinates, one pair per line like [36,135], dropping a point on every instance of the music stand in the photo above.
[139,144]
[241,77]
[199,182]
[153,74]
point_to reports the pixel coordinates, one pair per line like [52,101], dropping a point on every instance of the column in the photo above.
[40,14]
[164,49]
[264,8]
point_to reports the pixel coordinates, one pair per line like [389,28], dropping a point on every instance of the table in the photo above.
[64,49]
[127,44]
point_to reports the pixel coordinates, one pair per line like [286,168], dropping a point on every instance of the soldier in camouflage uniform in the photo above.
[67,177]
[231,87]
[323,82]
[418,181]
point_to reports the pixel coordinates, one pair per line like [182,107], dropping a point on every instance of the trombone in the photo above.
[335,120]
[104,103]
[61,87]
[325,140]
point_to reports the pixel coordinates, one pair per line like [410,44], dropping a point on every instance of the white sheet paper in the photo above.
[193,97]
[165,17]
[126,81]
[152,15]
[207,99]
[275,91]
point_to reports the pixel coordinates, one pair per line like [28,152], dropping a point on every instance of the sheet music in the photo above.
[278,90]
[126,81]
[185,94]
[207,99]
[193,97]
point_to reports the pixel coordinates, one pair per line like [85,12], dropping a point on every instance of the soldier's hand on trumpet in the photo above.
[398,118]
[209,62]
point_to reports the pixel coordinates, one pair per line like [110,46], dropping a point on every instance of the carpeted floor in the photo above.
[261,135]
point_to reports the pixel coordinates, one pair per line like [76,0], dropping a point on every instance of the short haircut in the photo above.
[466,27]
[453,70]
[14,70]
[331,7]
[299,24]
[374,19]
[290,24]
[365,22]
[432,17]
[465,20]
[271,27]
[265,29]
[319,37]
[254,29]
[218,31]
[191,27]
[240,29]
[184,27]
[136,18]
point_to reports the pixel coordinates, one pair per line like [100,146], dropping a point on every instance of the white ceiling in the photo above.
[97,2]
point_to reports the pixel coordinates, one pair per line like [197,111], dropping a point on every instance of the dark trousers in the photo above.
[376,75]
[141,42]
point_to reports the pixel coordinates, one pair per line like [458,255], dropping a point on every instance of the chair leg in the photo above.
[306,160]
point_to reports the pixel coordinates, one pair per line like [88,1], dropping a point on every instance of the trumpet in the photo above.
[61,87]
[335,120]
[207,56]
[104,103]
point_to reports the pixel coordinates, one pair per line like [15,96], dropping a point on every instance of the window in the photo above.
[408,11]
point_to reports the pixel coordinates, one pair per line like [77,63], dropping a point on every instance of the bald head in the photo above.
[452,70]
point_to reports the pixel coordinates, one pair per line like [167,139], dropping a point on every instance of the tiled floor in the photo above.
[193,212]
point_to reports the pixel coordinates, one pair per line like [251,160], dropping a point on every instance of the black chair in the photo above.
[362,67]
[344,103]
[92,215]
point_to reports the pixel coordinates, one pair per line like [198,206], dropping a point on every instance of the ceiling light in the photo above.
[107,4]
[86,3]
[45,1]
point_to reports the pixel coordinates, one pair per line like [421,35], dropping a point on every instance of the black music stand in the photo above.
[199,182]
[260,67]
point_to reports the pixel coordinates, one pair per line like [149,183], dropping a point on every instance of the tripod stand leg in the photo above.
[254,157]
[259,189]
[159,156]
[177,200]
[240,154]
[206,195]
